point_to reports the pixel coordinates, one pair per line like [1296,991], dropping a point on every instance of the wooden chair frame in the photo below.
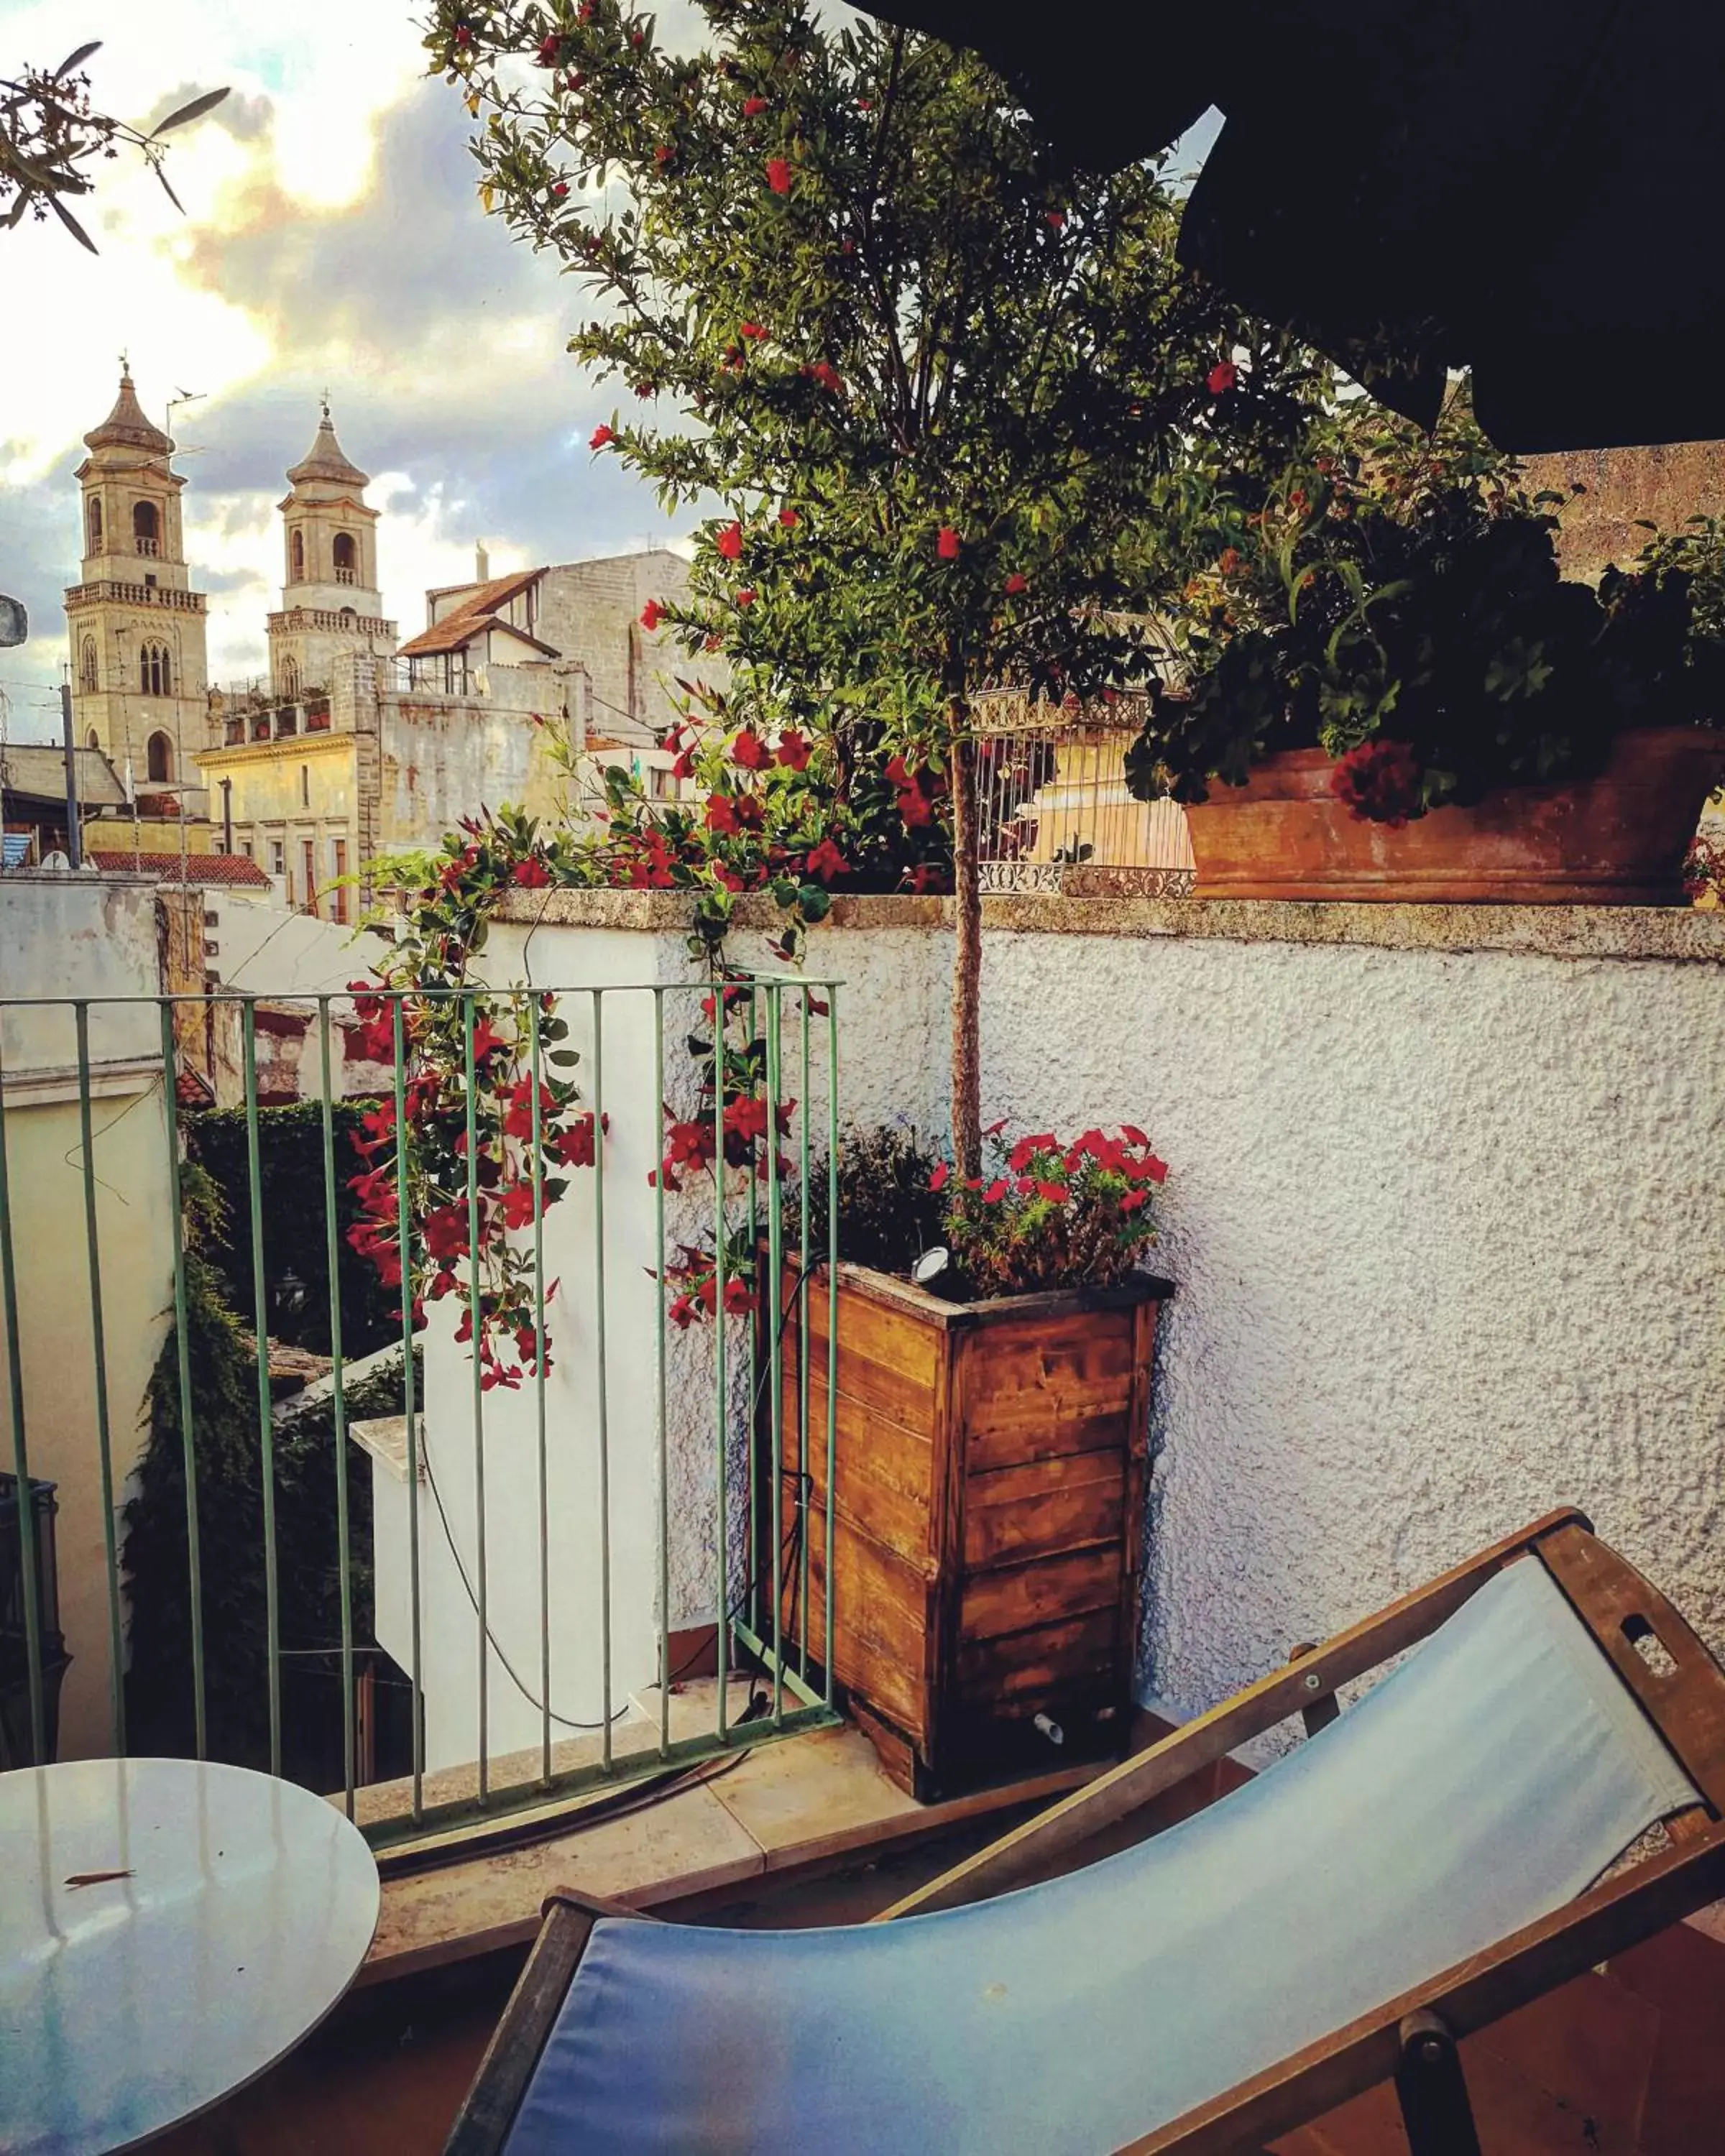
[1411,2038]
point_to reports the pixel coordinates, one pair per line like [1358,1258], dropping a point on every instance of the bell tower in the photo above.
[135,627]
[330,604]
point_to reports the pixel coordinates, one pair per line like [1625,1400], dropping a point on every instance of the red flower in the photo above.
[1056,1194]
[942,1175]
[947,543]
[651,615]
[1222,378]
[778,175]
[531,874]
[729,542]
[684,768]
[746,598]
[463,36]
[663,154]
[446,1232]
[1379,780]
[1056,219]
[739,1296]
[721,815]
[925,877]
[825,861]
[561,189]
[749,330]
[1133,1135]
[1132,1200]
[794,750]
[1016,582]
[749,752]
[913,808]
[827,375]
[789,519]
[747,1118]
[548,50]
[514,1205]
[996,1191]
[573,1147]
[753,106]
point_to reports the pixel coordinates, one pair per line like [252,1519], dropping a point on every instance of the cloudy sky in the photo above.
[333,239]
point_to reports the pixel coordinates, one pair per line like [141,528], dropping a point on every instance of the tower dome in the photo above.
[126,426]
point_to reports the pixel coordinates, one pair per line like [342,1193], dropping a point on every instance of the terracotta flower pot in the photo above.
[1618,839]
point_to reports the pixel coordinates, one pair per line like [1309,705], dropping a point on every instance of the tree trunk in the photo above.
[966,953]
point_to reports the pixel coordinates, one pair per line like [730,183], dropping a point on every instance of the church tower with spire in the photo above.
[330,603]
[138,668]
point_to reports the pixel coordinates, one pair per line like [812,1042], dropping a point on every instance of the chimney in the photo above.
[481,564]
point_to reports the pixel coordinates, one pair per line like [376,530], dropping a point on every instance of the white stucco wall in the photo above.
[1448,1190]
[72,935]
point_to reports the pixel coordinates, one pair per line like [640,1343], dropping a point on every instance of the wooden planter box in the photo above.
[988,1495]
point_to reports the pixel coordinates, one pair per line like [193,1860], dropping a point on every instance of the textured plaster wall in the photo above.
[1445,1227]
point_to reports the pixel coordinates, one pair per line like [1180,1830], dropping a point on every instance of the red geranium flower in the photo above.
[826,861]
[729,542]
[778,175]
[651,615]
[749,752]
[947,543]
[794,750]
[1222,378]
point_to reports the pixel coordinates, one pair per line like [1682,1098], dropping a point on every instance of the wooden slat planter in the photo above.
[988,1494]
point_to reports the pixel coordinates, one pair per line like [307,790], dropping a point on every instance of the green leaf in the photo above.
[71,224]
[187,113]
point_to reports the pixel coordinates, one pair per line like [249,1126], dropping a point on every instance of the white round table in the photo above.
[167,1930]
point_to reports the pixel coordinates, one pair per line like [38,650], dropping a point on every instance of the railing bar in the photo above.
[538,1137]
[404,1248]
[600,1381]
[266,1426]
[476,1314]
[105,1450]
[775,1350]
[721,1411]
[753,1556]
[21,1456]
[660,1434]
[832,988]
[793,1684]
[804,1262]
[344,1552]
[183,1334]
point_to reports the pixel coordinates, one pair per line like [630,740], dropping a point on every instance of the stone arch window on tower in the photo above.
[347,558]
[95,524]
[154,670]
[296,556]
[87,675]
[145,527]
[159,760]
[290,679]
[93,740]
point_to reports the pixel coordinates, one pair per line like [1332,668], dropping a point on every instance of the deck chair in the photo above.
[1477,1829]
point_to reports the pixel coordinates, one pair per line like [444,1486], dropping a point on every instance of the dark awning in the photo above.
[1529,189]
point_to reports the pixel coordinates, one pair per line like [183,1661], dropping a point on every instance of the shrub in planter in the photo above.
[1396,619]
[989,1437]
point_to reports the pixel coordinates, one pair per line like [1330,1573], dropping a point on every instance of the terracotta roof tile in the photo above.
[474,614]
[231,870]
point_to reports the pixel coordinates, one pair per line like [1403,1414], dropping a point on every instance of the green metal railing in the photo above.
[757,1568]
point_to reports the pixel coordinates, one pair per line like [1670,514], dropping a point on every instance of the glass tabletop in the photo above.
[168,1929]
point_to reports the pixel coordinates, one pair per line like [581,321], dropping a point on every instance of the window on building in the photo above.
[87,664]
[338,868]
[145,527]
[296,556]
[278,862]
[245,847]
[290,678]
[154,670]
[304,785]
[308,866]
[347,558]
[159,760]
[95,524]
[93,740]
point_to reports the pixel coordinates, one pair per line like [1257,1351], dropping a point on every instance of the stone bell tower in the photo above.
[330,604]
[137,627]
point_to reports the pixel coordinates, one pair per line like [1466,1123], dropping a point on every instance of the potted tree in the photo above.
[957,410]
[1402,698]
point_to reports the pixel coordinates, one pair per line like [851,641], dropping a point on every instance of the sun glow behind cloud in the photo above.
[332,240]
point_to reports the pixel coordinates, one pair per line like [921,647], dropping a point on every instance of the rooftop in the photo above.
[38,771]
[126,426]
[476,613]
[326,459]
[232,871]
